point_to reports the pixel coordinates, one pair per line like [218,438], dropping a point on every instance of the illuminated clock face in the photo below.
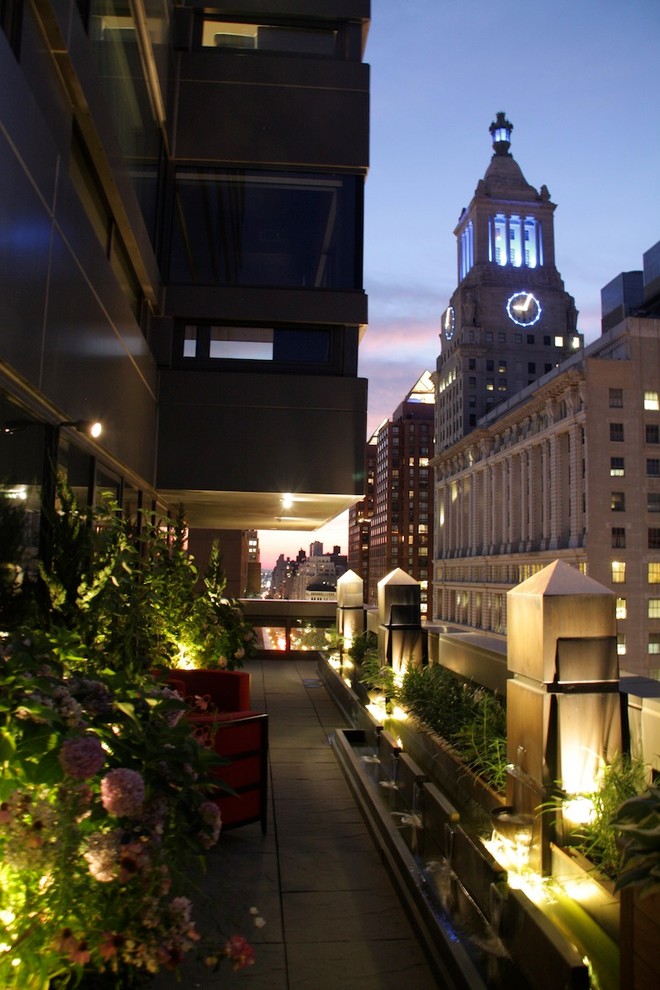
[524,309]
[449,322]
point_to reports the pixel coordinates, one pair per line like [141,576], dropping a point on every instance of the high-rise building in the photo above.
[360,515]
[510,320]
[568,468]
[181,259]
[401,527]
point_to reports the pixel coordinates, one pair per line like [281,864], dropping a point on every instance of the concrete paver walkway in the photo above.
[332,917]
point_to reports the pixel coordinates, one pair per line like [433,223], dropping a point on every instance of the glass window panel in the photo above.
[654,608]
[266,228]
[651,400]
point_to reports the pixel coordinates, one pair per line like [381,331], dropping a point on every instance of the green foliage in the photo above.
[225,638]
[378,676]
[364,645]
[469,718]
[123,593]
[91,878]
[638,822]
[619,780]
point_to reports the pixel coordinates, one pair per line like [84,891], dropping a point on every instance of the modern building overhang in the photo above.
[257,510]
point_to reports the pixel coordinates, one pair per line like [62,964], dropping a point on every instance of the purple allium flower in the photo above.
[81,757]
[122,792]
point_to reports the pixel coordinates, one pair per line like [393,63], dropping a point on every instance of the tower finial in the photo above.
[500,131]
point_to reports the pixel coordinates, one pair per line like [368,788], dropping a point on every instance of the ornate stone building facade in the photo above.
[567,469]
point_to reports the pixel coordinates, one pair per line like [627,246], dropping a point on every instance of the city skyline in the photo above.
[575,86]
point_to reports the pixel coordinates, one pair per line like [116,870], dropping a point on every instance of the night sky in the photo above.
[579,80]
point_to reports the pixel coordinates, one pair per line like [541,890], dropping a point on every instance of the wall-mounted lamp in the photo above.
[86,426]
[91,429]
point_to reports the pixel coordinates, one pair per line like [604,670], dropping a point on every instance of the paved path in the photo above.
[333,919]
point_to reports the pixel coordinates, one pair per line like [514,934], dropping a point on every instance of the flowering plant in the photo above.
[104,809]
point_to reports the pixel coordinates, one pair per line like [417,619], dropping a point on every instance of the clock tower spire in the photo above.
[510,319]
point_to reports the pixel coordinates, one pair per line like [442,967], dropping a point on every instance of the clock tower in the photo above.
[510,320]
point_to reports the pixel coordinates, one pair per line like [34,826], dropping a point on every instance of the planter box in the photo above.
[442,764]
[640,938]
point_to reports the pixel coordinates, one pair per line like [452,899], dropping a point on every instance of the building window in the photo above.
[653,467]
[652,433]
[467,249]
[490,385]
[559,341]
[266,228]
[472,364]
[616,398]
[531,367]
[654,642]
[653,611]
[490,365]
[654,538]
[269,38]
[618,537]
[622,608]
[618,501]
[653,572]
[618,572]
[621,644]
[653,501]
[616,432]
[651,401]
[617,467]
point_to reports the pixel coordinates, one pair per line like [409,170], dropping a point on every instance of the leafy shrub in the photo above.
[468,717]
[104,810]
[638,822]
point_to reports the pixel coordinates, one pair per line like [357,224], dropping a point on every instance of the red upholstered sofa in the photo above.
[221,714]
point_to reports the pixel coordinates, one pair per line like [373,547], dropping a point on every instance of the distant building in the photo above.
[510,319]
[569,468]
[360,515]
[401,527]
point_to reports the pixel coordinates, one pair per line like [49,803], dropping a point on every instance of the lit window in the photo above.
[654,642]
[618,501]
[490,385]
[616,398]
[653,572]
[190,341]
[617,467]
[622,608]
[651,400]
[618,572]
[654,608]
[621,644]
[559,341]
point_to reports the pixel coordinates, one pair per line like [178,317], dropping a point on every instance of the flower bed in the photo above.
[104,815]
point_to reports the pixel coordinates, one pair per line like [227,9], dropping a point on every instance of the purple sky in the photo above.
[579,81]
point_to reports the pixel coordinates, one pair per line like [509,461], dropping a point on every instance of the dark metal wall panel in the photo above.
[278,305]
[65,326]
[266,433]
[302,113]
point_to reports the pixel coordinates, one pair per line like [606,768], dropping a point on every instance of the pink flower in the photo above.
[239,952]
[81,757]
[122,792]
